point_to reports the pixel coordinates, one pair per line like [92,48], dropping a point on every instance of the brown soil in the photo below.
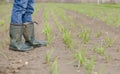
[33,62]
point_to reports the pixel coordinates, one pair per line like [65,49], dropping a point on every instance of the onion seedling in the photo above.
[54,68]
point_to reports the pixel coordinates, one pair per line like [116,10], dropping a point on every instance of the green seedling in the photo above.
[80,26]
[100,50]
[94,47]
[101,70]
[107,57]
[67,38]
[90,65]
[85,35]
[98,34]
[54,68]
[59,26]
[79,56]
[2,22]
[46,14]
[6,40]
[97,11]
[48,56]
[67,18]
[57,23]
[109,42]
[2,53]
[37,8]
[118,49]
[47,31]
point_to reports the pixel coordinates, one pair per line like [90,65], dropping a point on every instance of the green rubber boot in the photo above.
[16,43]
[30,37]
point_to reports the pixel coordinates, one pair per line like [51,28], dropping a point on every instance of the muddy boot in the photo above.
[16,43]
[29,36]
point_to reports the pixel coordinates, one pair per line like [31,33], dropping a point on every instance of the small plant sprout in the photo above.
[54,68]
[67,38]
[109,42]
[59,26]
[48,56]
[46,14]
[3,54]
[98,34]
[47,31]
[94,48]
[107,57]
[85,35]
[6,41]
[2,22]
[66,18]
[79,56]
[101,70]
[90,65]
[80,26]
[118,49]
[100,50]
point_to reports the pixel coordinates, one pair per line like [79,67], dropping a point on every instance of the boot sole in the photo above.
[37,46]
[11,48]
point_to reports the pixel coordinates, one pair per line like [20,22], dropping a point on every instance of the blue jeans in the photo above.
[22,11]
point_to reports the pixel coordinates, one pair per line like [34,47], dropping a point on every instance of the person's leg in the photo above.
[19,9]
[16,26]
[27,17]
[29,27]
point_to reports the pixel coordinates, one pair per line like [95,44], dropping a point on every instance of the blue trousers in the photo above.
[22,11]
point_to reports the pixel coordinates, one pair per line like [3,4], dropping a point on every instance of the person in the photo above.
[22,25]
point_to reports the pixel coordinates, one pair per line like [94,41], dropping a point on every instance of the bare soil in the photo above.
[33,62]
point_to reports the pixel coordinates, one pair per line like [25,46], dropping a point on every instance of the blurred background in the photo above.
[73,1]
